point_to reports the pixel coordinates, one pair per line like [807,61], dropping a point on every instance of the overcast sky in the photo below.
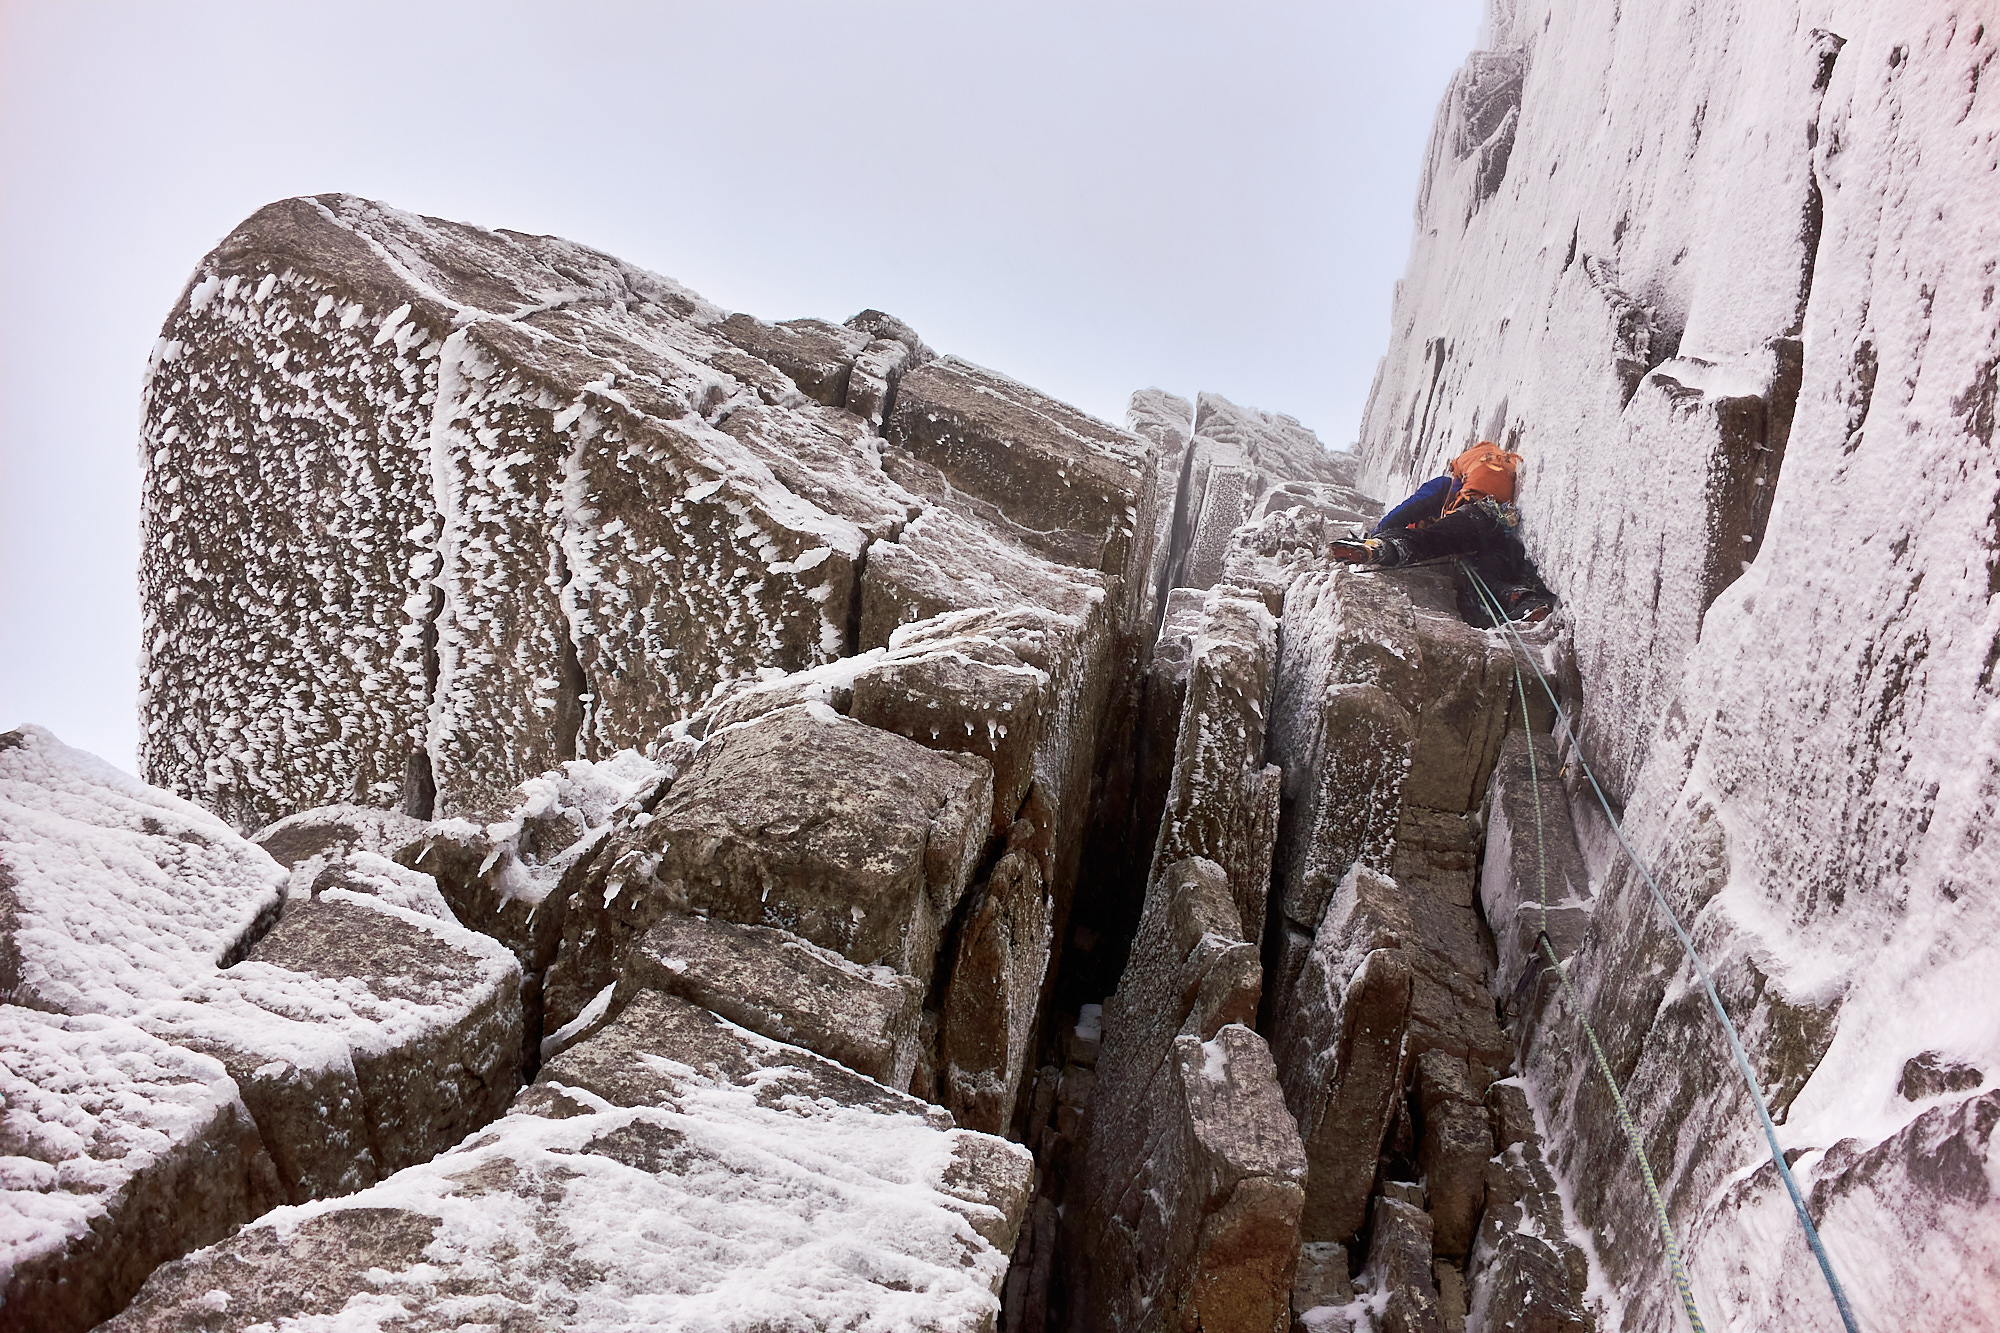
[1089,197]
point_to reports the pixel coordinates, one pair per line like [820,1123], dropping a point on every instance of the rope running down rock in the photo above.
[1493,609]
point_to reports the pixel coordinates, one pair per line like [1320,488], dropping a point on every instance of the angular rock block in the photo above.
[944,561]
[1221,494]
[1220,803]
[1350,807]
[994,996]
[1060,482]
[1275,444]
[1076,655]
[1525,1271]
[1194,1175]
[1167,423]
[1467,686]
[506,476]
[430,1011]
[871,383]
[1455,1142]
[815,354]
[673,1171]
[779,986]
[968,694]
[1531,852]
[117,1152]
[1436,864]
[330,832]
[114,894]
[1339,1046]
[1244,1149]
[489,890]
[1399,1269]
[857,840]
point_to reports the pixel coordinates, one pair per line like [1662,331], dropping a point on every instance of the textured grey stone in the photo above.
[1531,849]
[969,694]
[1060,482]
[871,382]
[945,561]
[649,463]
[993,999]
[1194,1175]
[121,1152]
[597,1202]
[815,354]
[852,838]
[330,830]
[431,1012]
[779,986]
[1399,1266]
[1220,801]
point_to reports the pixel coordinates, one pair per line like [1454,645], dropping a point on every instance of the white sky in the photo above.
[1091,197]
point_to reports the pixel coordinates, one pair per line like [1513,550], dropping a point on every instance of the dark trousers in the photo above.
[1488,545]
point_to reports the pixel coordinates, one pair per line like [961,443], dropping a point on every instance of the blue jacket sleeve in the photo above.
[1427,501]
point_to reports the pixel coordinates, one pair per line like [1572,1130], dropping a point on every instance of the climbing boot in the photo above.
[1353,550]
[1379,551]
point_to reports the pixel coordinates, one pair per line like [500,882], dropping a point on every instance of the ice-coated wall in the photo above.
[1725,274]
[430,507]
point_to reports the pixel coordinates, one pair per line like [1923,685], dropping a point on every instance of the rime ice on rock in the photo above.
[489,487]
[1723,277]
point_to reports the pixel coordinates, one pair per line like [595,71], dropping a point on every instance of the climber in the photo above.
[1467,512]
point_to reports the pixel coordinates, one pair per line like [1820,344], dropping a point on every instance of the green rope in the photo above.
[1847,1319]
[1548,951]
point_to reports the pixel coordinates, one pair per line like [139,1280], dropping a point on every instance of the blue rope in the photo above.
[1494,610]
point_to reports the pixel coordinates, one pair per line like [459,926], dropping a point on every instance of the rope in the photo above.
[1625,1122]
[1497,614]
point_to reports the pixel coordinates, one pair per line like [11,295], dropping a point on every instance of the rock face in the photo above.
[520,479]
[847,836]
[600,1200]
[1193,1183]
[812,758]
[1759,468]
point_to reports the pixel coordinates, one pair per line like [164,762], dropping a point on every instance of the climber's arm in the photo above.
[1426,502]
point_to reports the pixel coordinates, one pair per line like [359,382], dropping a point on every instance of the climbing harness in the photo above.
[1500,621]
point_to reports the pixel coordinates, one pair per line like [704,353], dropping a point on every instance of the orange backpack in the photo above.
[1484,470]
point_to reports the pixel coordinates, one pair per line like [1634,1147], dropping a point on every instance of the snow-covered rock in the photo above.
[365,1030]
[117,894]
[1724,276]
[117,1152]
[673,1171]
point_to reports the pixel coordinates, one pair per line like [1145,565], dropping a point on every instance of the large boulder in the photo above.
[671,1171]
[510,476]
[855,839]
[118,1151]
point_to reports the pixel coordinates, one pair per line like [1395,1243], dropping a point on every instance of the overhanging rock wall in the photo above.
[1724,274]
